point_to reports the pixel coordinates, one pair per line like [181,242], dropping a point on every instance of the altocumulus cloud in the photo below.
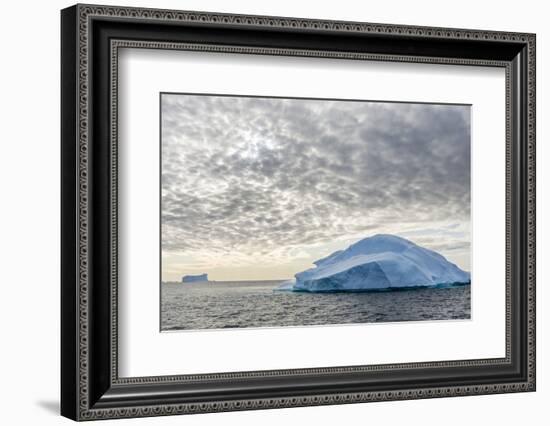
[249,181]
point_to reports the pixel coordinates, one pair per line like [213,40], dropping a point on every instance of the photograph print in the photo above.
[280,212]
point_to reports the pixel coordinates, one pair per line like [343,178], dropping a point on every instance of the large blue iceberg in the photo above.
[381,262]
[194,278]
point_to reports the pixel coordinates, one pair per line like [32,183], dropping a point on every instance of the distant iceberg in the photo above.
[381,262]
[194,278]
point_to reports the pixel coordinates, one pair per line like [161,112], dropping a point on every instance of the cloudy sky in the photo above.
[258,188]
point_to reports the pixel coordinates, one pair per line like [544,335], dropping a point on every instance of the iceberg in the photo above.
[194,278]
[378,263]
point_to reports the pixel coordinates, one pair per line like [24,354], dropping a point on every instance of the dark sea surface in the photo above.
[223,304]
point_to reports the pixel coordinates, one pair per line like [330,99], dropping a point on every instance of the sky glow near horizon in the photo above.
[259,188]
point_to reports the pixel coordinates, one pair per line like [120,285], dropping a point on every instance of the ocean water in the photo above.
[216,305]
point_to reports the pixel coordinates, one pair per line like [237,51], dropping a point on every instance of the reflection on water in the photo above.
[215,305]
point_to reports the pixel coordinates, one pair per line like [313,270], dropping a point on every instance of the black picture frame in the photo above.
[90,386]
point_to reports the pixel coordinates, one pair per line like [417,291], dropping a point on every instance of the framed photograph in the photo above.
[263,212]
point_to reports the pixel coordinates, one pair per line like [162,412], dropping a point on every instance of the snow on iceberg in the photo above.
[381,262]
